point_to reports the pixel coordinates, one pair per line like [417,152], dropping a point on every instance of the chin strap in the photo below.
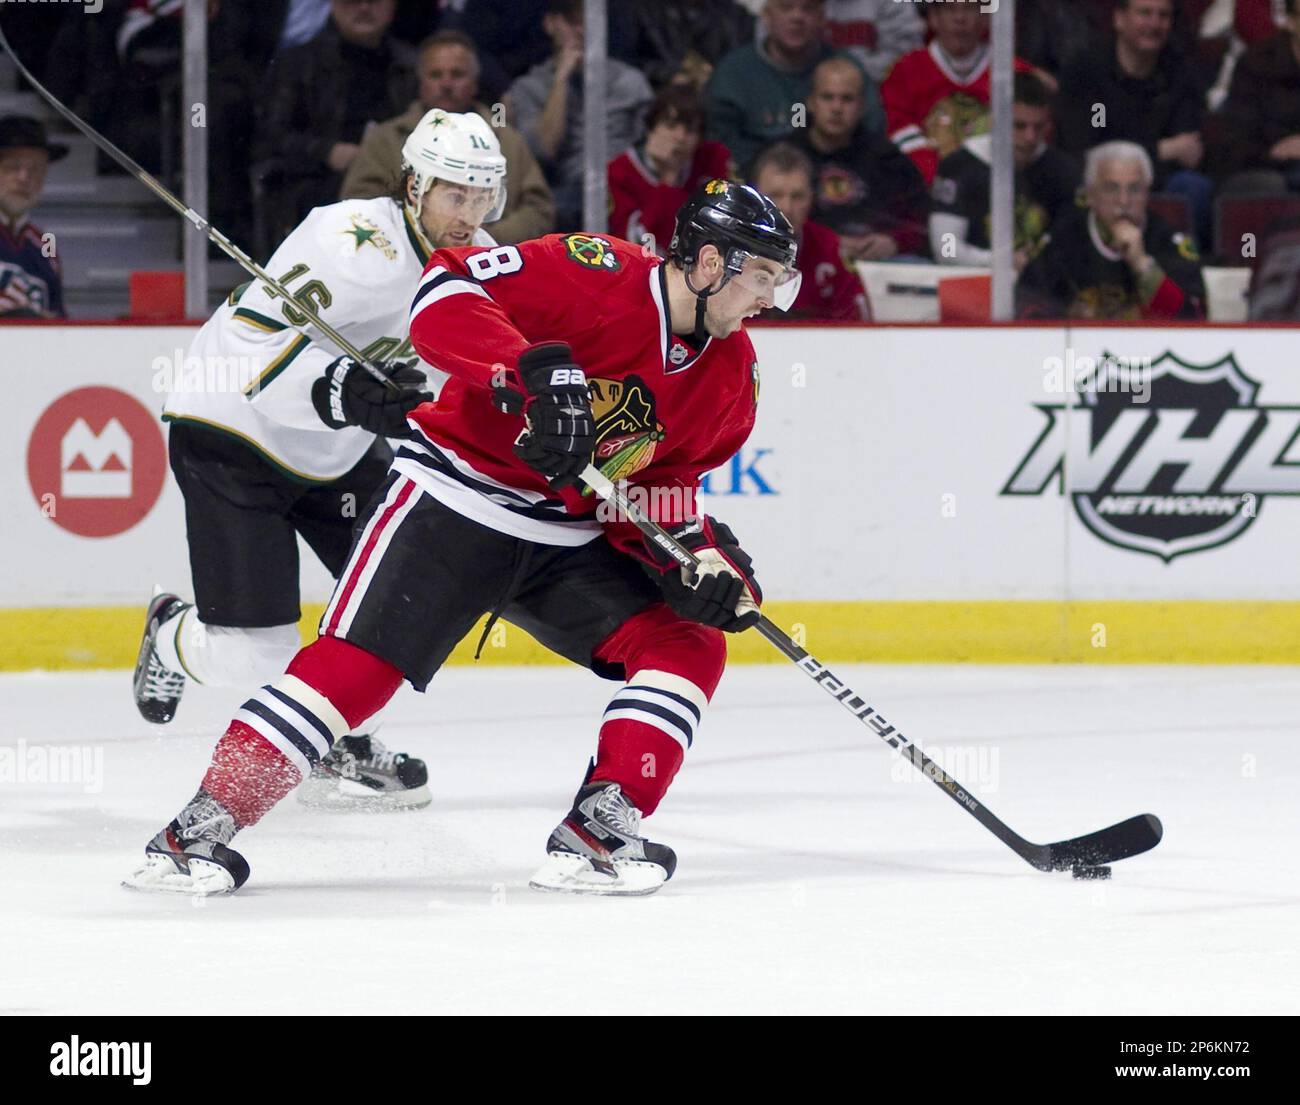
[419,226]
[701,335]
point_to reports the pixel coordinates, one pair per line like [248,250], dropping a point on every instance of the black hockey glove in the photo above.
[723,592]
[561,431]
[348,395]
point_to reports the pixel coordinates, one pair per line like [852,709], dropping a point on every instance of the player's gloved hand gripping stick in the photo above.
[1127,838]
[556,405]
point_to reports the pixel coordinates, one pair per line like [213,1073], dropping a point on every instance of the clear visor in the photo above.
[475,206]
[772,287]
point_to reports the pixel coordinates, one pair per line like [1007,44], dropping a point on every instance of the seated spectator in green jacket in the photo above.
[759,92]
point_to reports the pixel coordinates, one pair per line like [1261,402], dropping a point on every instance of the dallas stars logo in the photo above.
[363,231]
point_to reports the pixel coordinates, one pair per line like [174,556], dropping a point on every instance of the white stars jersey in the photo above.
[250,369]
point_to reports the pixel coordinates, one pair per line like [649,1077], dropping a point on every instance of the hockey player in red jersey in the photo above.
[566,351]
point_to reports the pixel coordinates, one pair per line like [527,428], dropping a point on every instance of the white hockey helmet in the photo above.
[461,149]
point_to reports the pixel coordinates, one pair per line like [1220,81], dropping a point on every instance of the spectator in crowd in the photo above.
[546,105]
[302,20]
[31,278]
[865,188]
[240,41]
[650,181]
[829,290]
[686,38]
[323,96]
[1260,148]
[1275,284]
[758,92]
[448,72]
[1114,260]
[511,36]
[876,32]
[1148,93]
[1050,34]
[1046,183]
[937,97]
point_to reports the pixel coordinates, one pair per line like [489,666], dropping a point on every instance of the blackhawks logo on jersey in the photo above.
[591,252]
[627,432]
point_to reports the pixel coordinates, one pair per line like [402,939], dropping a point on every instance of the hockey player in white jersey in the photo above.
[274,435]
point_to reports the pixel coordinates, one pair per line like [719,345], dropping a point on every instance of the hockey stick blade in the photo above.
[1128,838]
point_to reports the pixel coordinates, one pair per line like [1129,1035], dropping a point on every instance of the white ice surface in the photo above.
[813,876]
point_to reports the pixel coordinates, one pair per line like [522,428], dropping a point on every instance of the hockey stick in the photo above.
[214,235]
[1127,838]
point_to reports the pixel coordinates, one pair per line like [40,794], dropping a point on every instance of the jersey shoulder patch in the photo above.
[592,251]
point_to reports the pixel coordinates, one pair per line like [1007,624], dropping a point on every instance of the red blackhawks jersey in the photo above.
[829,290]
[930,111]
[640,203]
[666,412]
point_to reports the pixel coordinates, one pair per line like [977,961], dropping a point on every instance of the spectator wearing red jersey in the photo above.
[866,189]
[784,174]
[937,97]
[649,182]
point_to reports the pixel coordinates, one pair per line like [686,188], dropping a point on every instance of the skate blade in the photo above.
[565,873]
[158,875]
[326,794]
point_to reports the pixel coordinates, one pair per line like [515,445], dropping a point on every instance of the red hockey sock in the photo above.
[330,688]
[248,775]
[674,667]
[642,760]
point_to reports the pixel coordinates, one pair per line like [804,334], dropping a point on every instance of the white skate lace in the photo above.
[161,682]
[614,808]
[380,758]
[209,821]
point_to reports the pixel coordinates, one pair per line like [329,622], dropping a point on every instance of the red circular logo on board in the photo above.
[96,461]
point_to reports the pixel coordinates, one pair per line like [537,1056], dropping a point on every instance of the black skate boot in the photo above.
[599,849]
[157,688]
[360,774]
[191,855]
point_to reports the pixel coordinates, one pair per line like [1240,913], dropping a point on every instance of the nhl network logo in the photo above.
[87,1058]
[1185,472]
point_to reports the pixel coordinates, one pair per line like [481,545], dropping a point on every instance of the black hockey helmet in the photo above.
[732,217]
[742,223]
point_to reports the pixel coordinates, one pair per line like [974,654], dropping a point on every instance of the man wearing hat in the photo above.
[31,278]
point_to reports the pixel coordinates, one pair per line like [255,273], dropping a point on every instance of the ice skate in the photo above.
[157,688]
[192,854]
[360,775]
[598,849]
